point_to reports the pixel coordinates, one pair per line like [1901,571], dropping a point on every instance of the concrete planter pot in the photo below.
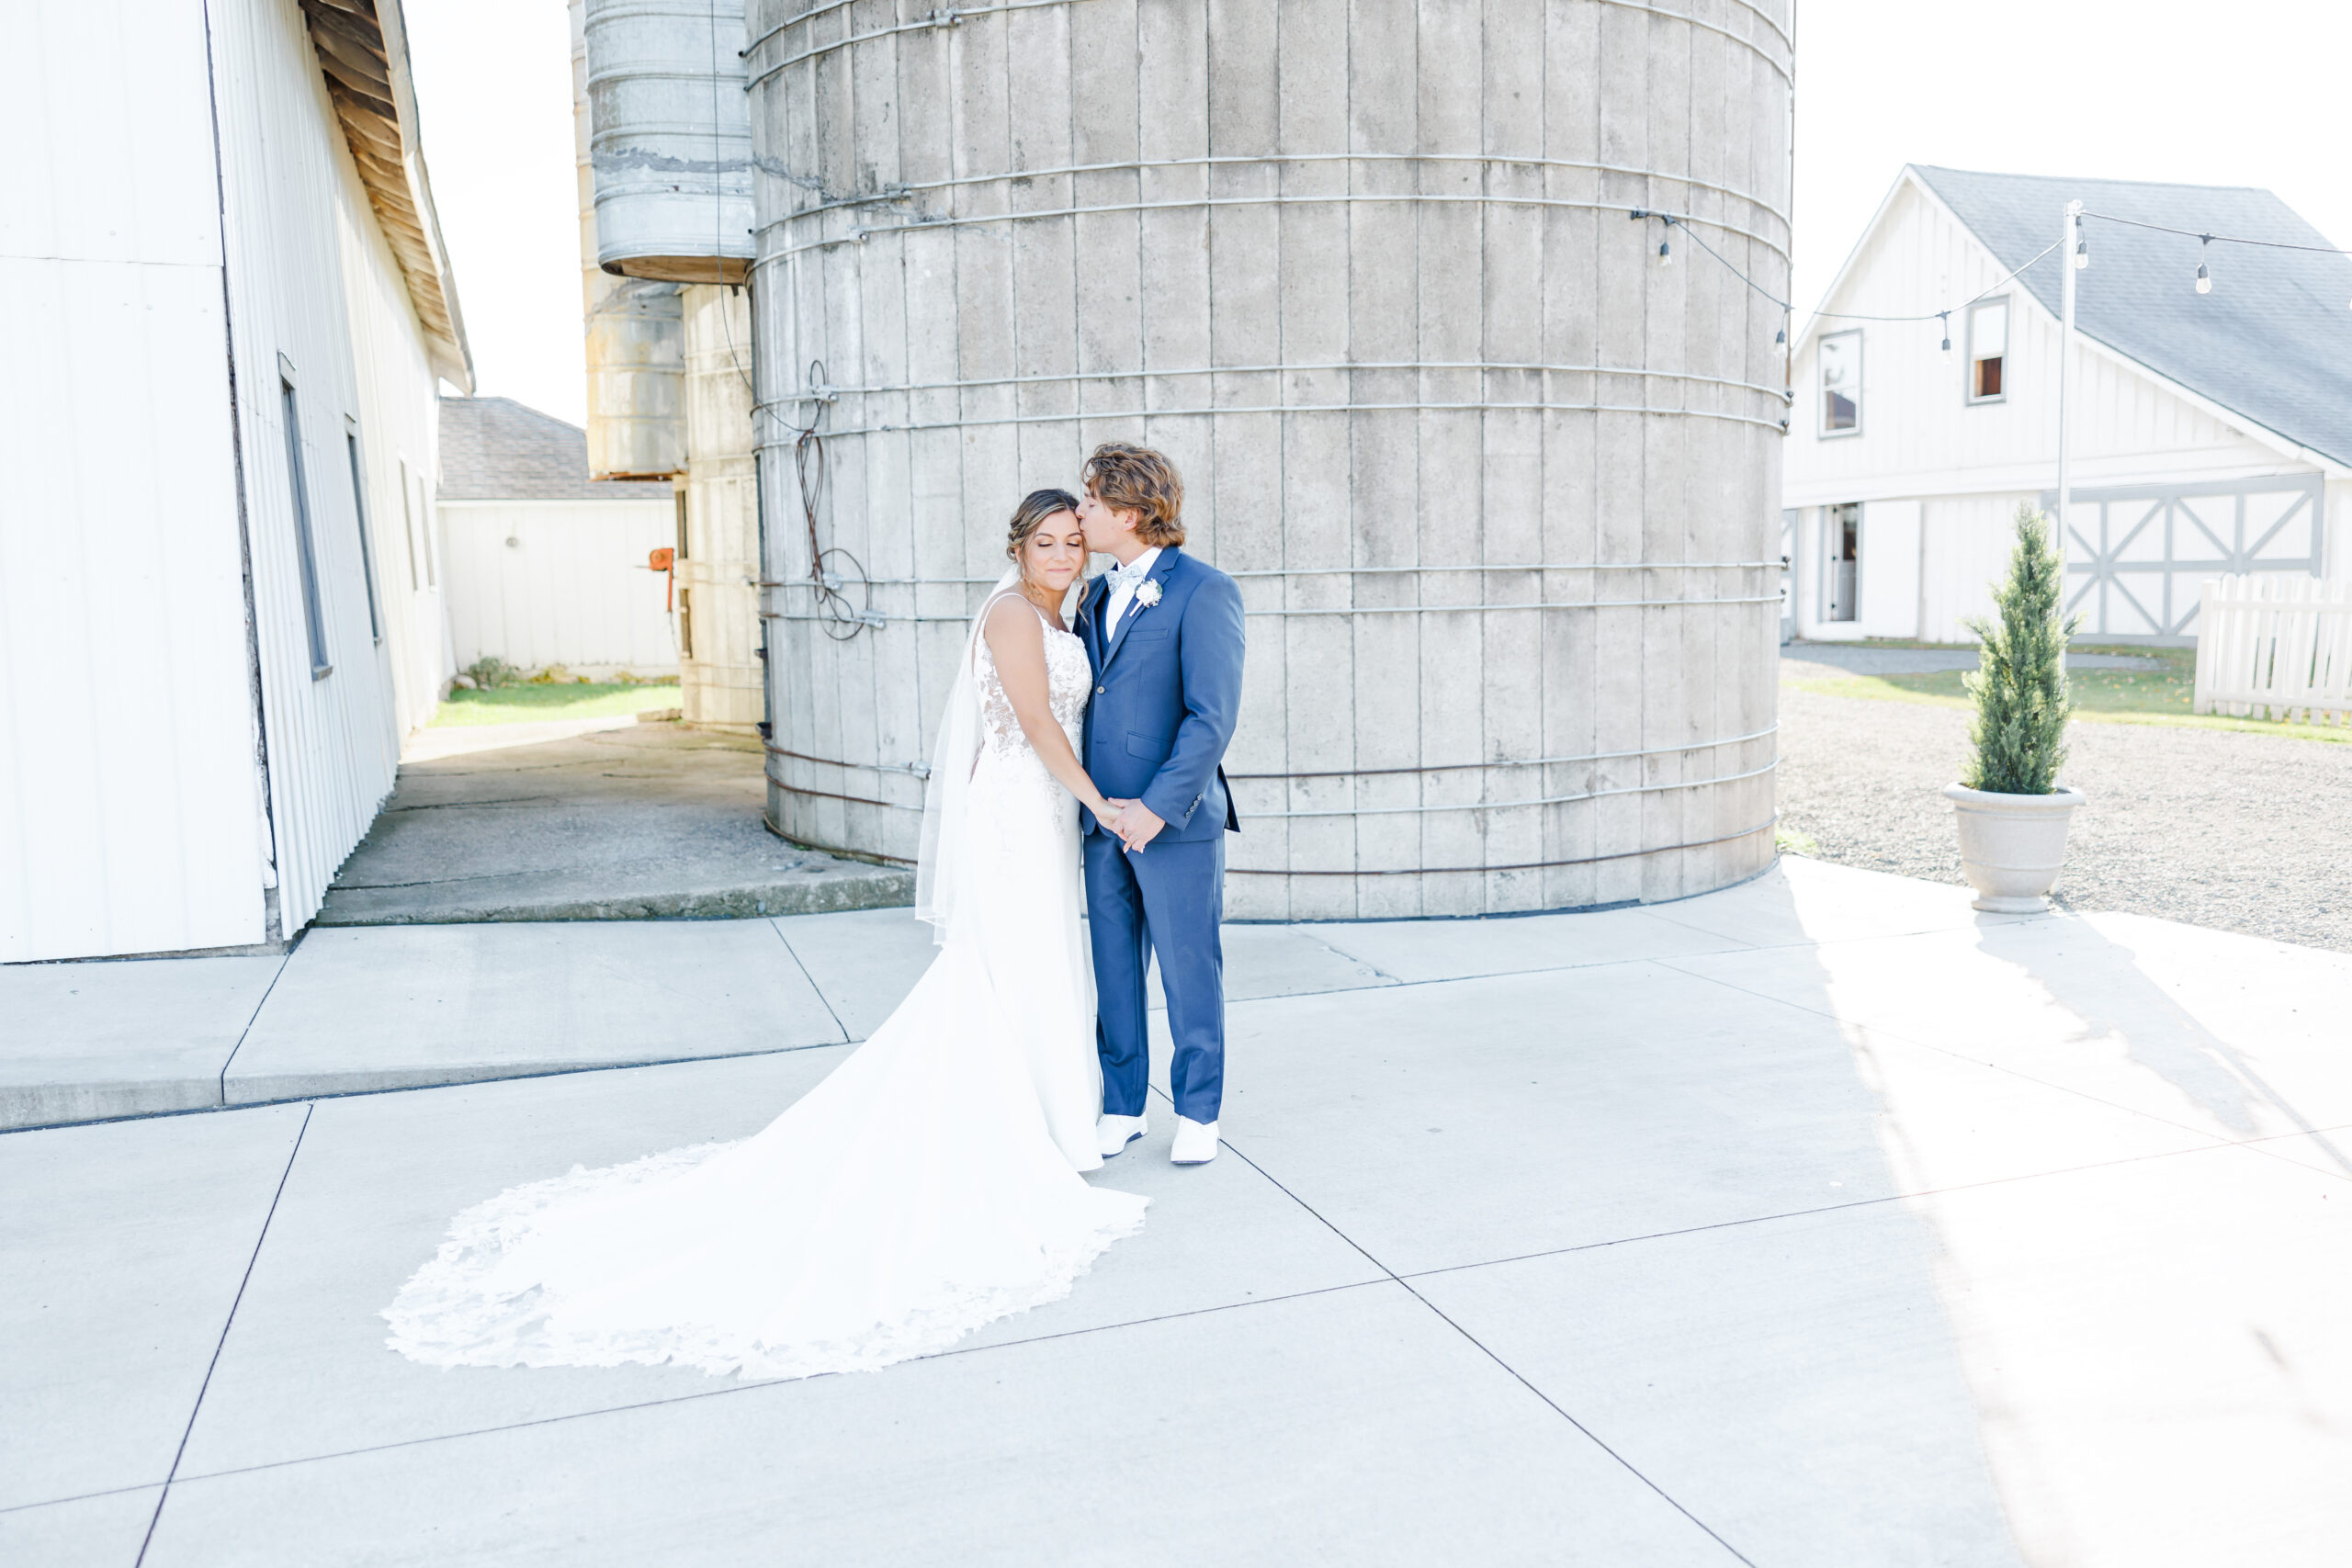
[2012,845]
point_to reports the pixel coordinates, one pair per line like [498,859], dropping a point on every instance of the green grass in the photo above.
[523,703]
[2162,695]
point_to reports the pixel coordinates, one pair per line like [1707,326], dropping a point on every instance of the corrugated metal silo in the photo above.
[634,331]
[671,144]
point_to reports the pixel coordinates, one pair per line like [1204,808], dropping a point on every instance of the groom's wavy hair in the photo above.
[1035,508]
[1138,480]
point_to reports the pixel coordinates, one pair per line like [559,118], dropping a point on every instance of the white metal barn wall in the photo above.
[540,582]
[1500,489]
[128,805]
[399,427]
[332,741]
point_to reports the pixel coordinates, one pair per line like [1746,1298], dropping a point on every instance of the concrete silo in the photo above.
[1499,478]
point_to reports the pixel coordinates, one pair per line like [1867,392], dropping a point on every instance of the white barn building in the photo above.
[219,599]
[548,566]
[2212,431]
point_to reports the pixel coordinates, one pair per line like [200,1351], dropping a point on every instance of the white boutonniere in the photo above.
[1149,594]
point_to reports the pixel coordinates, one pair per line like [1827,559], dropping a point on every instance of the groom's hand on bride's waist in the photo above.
[1137,824]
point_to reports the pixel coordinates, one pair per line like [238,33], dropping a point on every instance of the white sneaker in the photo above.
[1196,1142]
[1113,1133]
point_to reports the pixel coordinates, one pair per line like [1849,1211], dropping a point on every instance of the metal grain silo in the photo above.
[633,332]
[1499,478]
[670,146]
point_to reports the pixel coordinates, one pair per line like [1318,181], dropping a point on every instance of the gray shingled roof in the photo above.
[497,449]
[2272,342]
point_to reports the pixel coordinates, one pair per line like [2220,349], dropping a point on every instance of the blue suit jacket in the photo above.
[1167,695]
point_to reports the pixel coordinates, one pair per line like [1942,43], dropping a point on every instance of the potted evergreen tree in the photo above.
[2012,810]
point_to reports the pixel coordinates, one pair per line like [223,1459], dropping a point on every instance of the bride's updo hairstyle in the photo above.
[1035,508]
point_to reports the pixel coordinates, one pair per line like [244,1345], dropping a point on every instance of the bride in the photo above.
[930,1184]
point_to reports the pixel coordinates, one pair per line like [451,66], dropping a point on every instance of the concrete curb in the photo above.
[831,890]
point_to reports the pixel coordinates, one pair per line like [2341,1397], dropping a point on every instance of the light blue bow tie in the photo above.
[1129,576]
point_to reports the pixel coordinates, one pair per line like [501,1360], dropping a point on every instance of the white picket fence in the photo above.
[2274,645]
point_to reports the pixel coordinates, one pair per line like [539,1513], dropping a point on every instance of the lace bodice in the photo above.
[1068,680]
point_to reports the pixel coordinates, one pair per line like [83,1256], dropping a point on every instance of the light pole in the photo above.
[2072,260]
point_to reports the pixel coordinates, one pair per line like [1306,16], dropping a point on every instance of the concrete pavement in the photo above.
[1820,1221]
[589,820]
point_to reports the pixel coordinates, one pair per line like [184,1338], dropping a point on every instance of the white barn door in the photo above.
[2137,557]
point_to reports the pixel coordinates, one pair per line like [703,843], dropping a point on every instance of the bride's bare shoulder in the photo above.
[1010,623]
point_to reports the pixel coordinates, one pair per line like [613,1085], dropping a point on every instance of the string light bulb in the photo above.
[1945,316]
[2204,278]
[1665,254]
[1780,337]
[2082,252]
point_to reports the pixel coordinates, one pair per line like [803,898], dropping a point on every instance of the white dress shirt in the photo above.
[1123,594]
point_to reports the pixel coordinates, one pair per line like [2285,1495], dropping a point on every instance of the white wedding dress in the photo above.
[928,1186]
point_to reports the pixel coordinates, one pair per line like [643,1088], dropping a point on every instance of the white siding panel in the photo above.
[109,140]
[1966,543]
[127,794]
[571,590]
[129,808]
[399,418]
[1889,603]
[332,745]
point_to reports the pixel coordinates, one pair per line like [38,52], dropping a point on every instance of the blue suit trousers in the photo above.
[1167,900]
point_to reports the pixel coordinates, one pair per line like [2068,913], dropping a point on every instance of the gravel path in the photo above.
[2216,827]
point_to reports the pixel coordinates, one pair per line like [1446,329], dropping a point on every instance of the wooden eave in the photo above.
[364,67]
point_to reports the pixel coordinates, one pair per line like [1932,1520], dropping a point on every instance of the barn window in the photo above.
[1841,383]
[359,508]
[1988,349]
[305,548]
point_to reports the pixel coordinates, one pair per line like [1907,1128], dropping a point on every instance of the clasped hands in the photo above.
[1135,823]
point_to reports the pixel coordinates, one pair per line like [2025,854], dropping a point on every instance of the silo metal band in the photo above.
[1521,865]
[1513,804]
[859,236]
[1777,426]
[965,620]
[1352,572]
[900,192]
[958,17]
[1364,810]
[1520,762]
[922,770]
[936,19]
[1062,378]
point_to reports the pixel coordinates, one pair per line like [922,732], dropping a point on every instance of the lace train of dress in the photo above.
[928,1186]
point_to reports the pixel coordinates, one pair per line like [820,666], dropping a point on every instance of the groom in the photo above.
[1164,634]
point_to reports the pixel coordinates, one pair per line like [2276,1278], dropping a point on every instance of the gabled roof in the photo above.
[2272,342]
[498,449]
[362,49]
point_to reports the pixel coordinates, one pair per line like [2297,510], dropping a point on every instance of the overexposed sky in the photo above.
[493,92]
[2230,92]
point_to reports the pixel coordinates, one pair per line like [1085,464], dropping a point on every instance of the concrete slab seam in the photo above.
[792,953]
[1520,1377]
[751,1386]
[197,1408]
[1945,1051]
[267,992]
[1905,1196]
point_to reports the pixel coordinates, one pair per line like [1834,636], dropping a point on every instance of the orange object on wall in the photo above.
[665,560]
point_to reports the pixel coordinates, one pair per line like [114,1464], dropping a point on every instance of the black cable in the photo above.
[2223,239]
[1673,221]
